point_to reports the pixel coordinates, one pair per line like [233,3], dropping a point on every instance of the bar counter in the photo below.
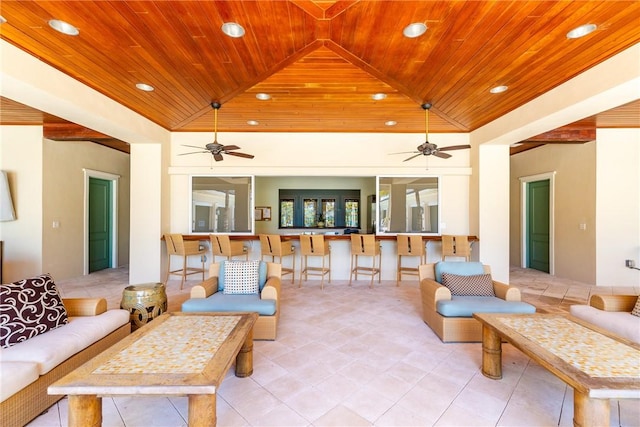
[341,253]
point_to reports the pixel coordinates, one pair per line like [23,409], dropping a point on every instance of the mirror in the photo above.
[222,204]
[407,205]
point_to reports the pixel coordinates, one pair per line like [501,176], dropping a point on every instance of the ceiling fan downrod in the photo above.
[216,106]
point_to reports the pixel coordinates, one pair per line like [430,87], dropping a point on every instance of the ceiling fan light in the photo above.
[145,87]
[414,30]
[232,29]
[263,96]
[499,89]
[63,27]
[378,96]
[581,31]
[253,122]
[390,123]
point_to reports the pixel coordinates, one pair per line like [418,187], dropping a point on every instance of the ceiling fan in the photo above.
[215,148]
[427,148]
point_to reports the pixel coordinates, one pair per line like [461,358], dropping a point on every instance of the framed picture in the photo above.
[263,213]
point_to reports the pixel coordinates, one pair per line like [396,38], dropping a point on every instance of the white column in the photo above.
[493,172]
[146,194]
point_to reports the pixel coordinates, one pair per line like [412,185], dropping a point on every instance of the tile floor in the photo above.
[354,356]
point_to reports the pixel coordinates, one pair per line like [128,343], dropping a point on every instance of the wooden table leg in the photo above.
[491,353]
[588,412]
[202,410]
[244,359]
[85,411]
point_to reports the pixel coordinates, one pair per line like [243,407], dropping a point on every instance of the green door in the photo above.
[99,224]
[538,225]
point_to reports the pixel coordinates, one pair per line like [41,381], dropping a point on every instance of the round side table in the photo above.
[144,302]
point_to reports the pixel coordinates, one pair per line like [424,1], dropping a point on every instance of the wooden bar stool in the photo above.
[314,246]
[457,246]
[178,247]
[273,246]
[410,245]
[223,246]
[365,245]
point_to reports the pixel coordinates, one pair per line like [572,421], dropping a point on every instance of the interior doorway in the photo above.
[537,222]
[100,220]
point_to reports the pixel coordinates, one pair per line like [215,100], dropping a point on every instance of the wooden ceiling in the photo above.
[322,60]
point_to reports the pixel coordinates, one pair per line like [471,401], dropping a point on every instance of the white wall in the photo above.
[617,206]
[21,154]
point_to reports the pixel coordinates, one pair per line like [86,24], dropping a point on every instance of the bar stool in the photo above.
[177,246]
[314,245]
[223,246]
[410,245]
[365,245]
[273,246]
[457,246]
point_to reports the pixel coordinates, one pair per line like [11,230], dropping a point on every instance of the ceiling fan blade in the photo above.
[405,152]
[442,155]
[454,147]
[230,147]
[192,146]
[218,157]
[412,157]
[192,152]
[246,156]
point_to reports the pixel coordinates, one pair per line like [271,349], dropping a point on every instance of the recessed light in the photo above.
[253,122]
[378,96]
[499,89]
[390,123]
[2,19]
[414,30]
[263,96]
[581,31]
[145,87]
[232,29]
[63,27]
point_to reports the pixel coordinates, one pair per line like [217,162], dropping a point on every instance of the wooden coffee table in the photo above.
[177,354]
[596,363]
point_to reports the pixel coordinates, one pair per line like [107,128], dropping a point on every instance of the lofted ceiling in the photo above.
[321,61]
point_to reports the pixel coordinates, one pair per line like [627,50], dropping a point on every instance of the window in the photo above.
[352,209]
[222,204]
[408,205]
[286,213]
[319,208]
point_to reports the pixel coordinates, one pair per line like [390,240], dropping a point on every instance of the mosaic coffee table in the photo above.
[178,354]
[596,363]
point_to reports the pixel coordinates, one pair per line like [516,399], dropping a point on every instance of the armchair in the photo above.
[210,296]
[449,315]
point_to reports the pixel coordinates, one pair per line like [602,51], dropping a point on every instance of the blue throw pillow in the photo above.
[262,275]
[458,268]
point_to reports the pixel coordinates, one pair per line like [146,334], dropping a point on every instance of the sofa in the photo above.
[216,294]
[30,365]
[448,310]
[611,312]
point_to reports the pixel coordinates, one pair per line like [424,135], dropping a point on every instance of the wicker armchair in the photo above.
[265,327]
[458,329]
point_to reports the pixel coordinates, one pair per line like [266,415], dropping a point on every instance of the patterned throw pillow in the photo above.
[476,285]
[636,308]
[241,277]
[28,308]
